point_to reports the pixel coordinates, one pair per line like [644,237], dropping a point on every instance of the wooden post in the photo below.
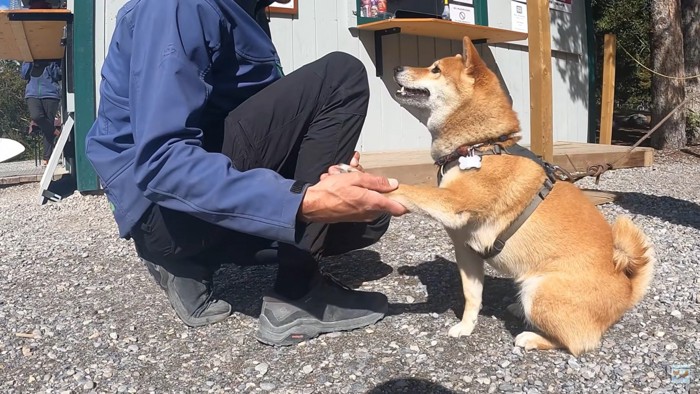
[540,54]
[608,93]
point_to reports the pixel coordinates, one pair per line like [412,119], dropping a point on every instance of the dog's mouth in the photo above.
[412,92]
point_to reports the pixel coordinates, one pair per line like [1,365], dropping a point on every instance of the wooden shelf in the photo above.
[440,28]
[29,35]
[437,28]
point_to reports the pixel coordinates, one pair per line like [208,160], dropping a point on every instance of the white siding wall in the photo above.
[324,26]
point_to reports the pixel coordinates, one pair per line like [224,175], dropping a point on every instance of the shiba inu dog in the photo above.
[500,205]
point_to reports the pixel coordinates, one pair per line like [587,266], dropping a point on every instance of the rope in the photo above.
[652,71]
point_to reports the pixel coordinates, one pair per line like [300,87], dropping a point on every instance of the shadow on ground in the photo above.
[669,209]
[444,288]
[409,385]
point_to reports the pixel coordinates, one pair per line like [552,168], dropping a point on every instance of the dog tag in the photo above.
[469,162]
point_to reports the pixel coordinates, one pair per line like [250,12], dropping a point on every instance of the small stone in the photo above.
[133,348]
[410,299]
[113,335]
[505,387]
[86,254]
[414,348]
[505,364]
[267,386]
[262,369]
[677,314]
[573,363]
[517,351]
[89,385]
[672,346]
[307,369]
[659,334]
[467,379]
[26,351]
[483,380]
[587,373]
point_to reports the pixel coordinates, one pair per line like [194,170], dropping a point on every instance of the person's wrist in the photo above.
[302,188]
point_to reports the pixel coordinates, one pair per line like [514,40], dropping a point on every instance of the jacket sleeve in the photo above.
[167,93]
[55,71]
[26,71]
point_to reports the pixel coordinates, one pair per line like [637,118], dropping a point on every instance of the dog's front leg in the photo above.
[445,206]
[471,271]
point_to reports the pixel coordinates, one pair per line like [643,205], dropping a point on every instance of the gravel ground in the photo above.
[78,312]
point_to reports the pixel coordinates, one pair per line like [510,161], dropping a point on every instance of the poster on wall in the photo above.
[462,13]
[561,5]
[518,16]
[291,8]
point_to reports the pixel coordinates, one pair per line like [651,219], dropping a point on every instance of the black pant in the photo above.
[43,113]
[298,126]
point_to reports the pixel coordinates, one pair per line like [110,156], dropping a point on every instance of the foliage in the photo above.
[630,21]
[14,116]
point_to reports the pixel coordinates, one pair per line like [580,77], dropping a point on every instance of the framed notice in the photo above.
[292,7]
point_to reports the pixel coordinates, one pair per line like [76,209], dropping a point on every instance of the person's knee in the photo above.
[347,66]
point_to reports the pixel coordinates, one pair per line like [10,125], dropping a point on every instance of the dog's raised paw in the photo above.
[462,329]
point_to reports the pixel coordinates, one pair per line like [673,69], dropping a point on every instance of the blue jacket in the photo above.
[174,70]
[44,78]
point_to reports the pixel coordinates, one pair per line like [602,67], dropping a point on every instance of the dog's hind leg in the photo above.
[568,312]
[530,340]
[471,271]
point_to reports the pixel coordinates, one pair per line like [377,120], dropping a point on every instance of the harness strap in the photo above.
[446,163]
[500,242]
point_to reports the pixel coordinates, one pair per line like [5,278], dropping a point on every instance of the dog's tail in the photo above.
[633,254]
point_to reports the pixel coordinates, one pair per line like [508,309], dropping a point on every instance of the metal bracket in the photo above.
[378,54]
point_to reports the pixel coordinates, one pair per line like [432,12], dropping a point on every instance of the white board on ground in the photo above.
[44,192]
[9,149]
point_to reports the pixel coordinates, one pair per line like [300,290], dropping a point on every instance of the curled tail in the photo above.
[633,254]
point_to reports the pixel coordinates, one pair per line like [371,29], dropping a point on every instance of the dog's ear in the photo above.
[470,55]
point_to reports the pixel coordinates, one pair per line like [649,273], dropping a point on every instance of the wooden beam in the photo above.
[21,40]
[608,93]
[540,54]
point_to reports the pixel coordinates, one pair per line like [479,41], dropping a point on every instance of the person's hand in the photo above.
[349,197]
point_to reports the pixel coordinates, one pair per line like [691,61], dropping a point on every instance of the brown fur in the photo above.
[576,274]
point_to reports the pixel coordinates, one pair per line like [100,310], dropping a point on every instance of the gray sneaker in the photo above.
[190,295]
[330,306]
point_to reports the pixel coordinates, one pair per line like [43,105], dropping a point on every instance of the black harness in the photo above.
[446,163]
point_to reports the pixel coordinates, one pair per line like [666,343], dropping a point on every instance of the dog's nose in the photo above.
[398,69]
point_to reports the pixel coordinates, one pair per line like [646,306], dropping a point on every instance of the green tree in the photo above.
[630,21]
[14,116]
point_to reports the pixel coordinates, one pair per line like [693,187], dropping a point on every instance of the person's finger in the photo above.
[355,161]
[376,183]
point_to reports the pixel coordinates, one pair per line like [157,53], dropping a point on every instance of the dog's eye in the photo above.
[435,70]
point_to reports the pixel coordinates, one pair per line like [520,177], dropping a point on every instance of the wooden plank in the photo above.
[540,56]
[31,40]
[21,40]
[608,93]
[439,28]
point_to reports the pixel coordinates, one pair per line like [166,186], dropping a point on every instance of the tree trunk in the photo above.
[667,59]
[690,11]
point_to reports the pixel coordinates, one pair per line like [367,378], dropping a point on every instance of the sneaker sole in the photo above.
[305,329]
